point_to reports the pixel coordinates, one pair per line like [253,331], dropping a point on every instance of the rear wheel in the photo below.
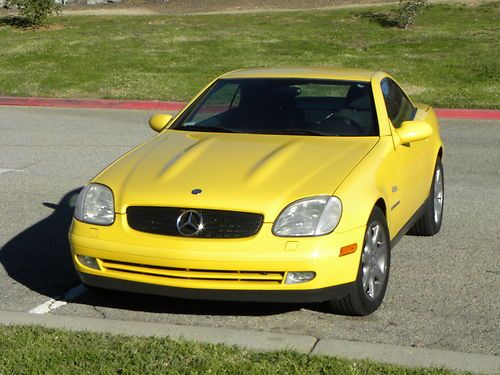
[430,222]
[368,291]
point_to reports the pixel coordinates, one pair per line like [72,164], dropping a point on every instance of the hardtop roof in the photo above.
[337,73]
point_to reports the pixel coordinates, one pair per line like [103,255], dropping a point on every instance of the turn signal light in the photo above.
[349,249]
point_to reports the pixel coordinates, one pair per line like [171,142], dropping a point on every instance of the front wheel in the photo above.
[430,222]
[368,291]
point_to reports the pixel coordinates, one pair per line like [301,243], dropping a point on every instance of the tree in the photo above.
[408,10]
[34,12]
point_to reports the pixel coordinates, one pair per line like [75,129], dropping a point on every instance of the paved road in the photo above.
[443,291]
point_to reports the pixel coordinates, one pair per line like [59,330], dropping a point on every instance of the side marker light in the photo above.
[349,249]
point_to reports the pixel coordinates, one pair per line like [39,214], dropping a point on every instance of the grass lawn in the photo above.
[30,350]
[449,58]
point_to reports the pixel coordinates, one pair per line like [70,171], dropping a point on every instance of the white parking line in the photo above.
[53,304]
[8,170]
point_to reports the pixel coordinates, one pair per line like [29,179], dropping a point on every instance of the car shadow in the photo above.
[166,305]
[39,258]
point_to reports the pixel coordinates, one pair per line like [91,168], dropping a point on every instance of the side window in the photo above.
[399,107]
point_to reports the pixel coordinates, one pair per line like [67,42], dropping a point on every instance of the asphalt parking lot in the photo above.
[443,291]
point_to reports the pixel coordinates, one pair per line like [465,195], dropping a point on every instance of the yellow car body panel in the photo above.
[255,177]
[258,173]
[263,253]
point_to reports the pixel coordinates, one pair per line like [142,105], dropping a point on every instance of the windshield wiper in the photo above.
[303,131]
[290,131]
[208,128]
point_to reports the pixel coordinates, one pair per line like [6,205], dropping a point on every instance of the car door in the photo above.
[411,158]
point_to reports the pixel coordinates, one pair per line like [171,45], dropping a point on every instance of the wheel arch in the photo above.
[440,153]
[380,203]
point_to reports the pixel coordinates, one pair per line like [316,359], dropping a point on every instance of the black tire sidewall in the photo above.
[435,227]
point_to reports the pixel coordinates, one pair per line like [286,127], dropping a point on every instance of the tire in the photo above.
[430,222]
[368,291]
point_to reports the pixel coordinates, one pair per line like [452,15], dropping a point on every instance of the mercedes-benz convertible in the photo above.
[288,185]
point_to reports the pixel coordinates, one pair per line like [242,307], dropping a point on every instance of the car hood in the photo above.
[238,172]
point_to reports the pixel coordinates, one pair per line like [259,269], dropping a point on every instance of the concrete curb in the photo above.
[154,105]
[266,341]
[262,341]
[409,356]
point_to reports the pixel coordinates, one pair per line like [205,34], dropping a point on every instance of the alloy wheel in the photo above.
[438,195]
[374,261]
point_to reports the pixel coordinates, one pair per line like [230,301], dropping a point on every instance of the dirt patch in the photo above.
[143,7]
[108,11]
[180,7]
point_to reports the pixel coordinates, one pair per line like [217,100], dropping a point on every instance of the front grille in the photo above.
[229,276]
[216,223]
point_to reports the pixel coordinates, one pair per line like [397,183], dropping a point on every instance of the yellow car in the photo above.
[288,185]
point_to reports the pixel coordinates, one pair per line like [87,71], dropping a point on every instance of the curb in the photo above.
[155,105]
[468,114]
[92,103]
[267,341]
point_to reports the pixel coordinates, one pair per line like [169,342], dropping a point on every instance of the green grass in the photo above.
[29,350]
[448,58]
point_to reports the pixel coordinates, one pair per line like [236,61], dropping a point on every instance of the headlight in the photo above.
[95,205]
[313,216]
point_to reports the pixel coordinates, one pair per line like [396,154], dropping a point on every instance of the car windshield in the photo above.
[283,106]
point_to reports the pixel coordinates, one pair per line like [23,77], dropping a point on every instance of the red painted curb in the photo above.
[92,103]
[475,114]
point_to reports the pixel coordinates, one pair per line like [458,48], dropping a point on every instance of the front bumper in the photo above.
[278,296]
[248,269]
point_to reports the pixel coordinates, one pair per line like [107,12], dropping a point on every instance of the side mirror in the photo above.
[159,121]
[411,131]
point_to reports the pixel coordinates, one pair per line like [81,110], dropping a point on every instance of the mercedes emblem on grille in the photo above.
[190,223]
